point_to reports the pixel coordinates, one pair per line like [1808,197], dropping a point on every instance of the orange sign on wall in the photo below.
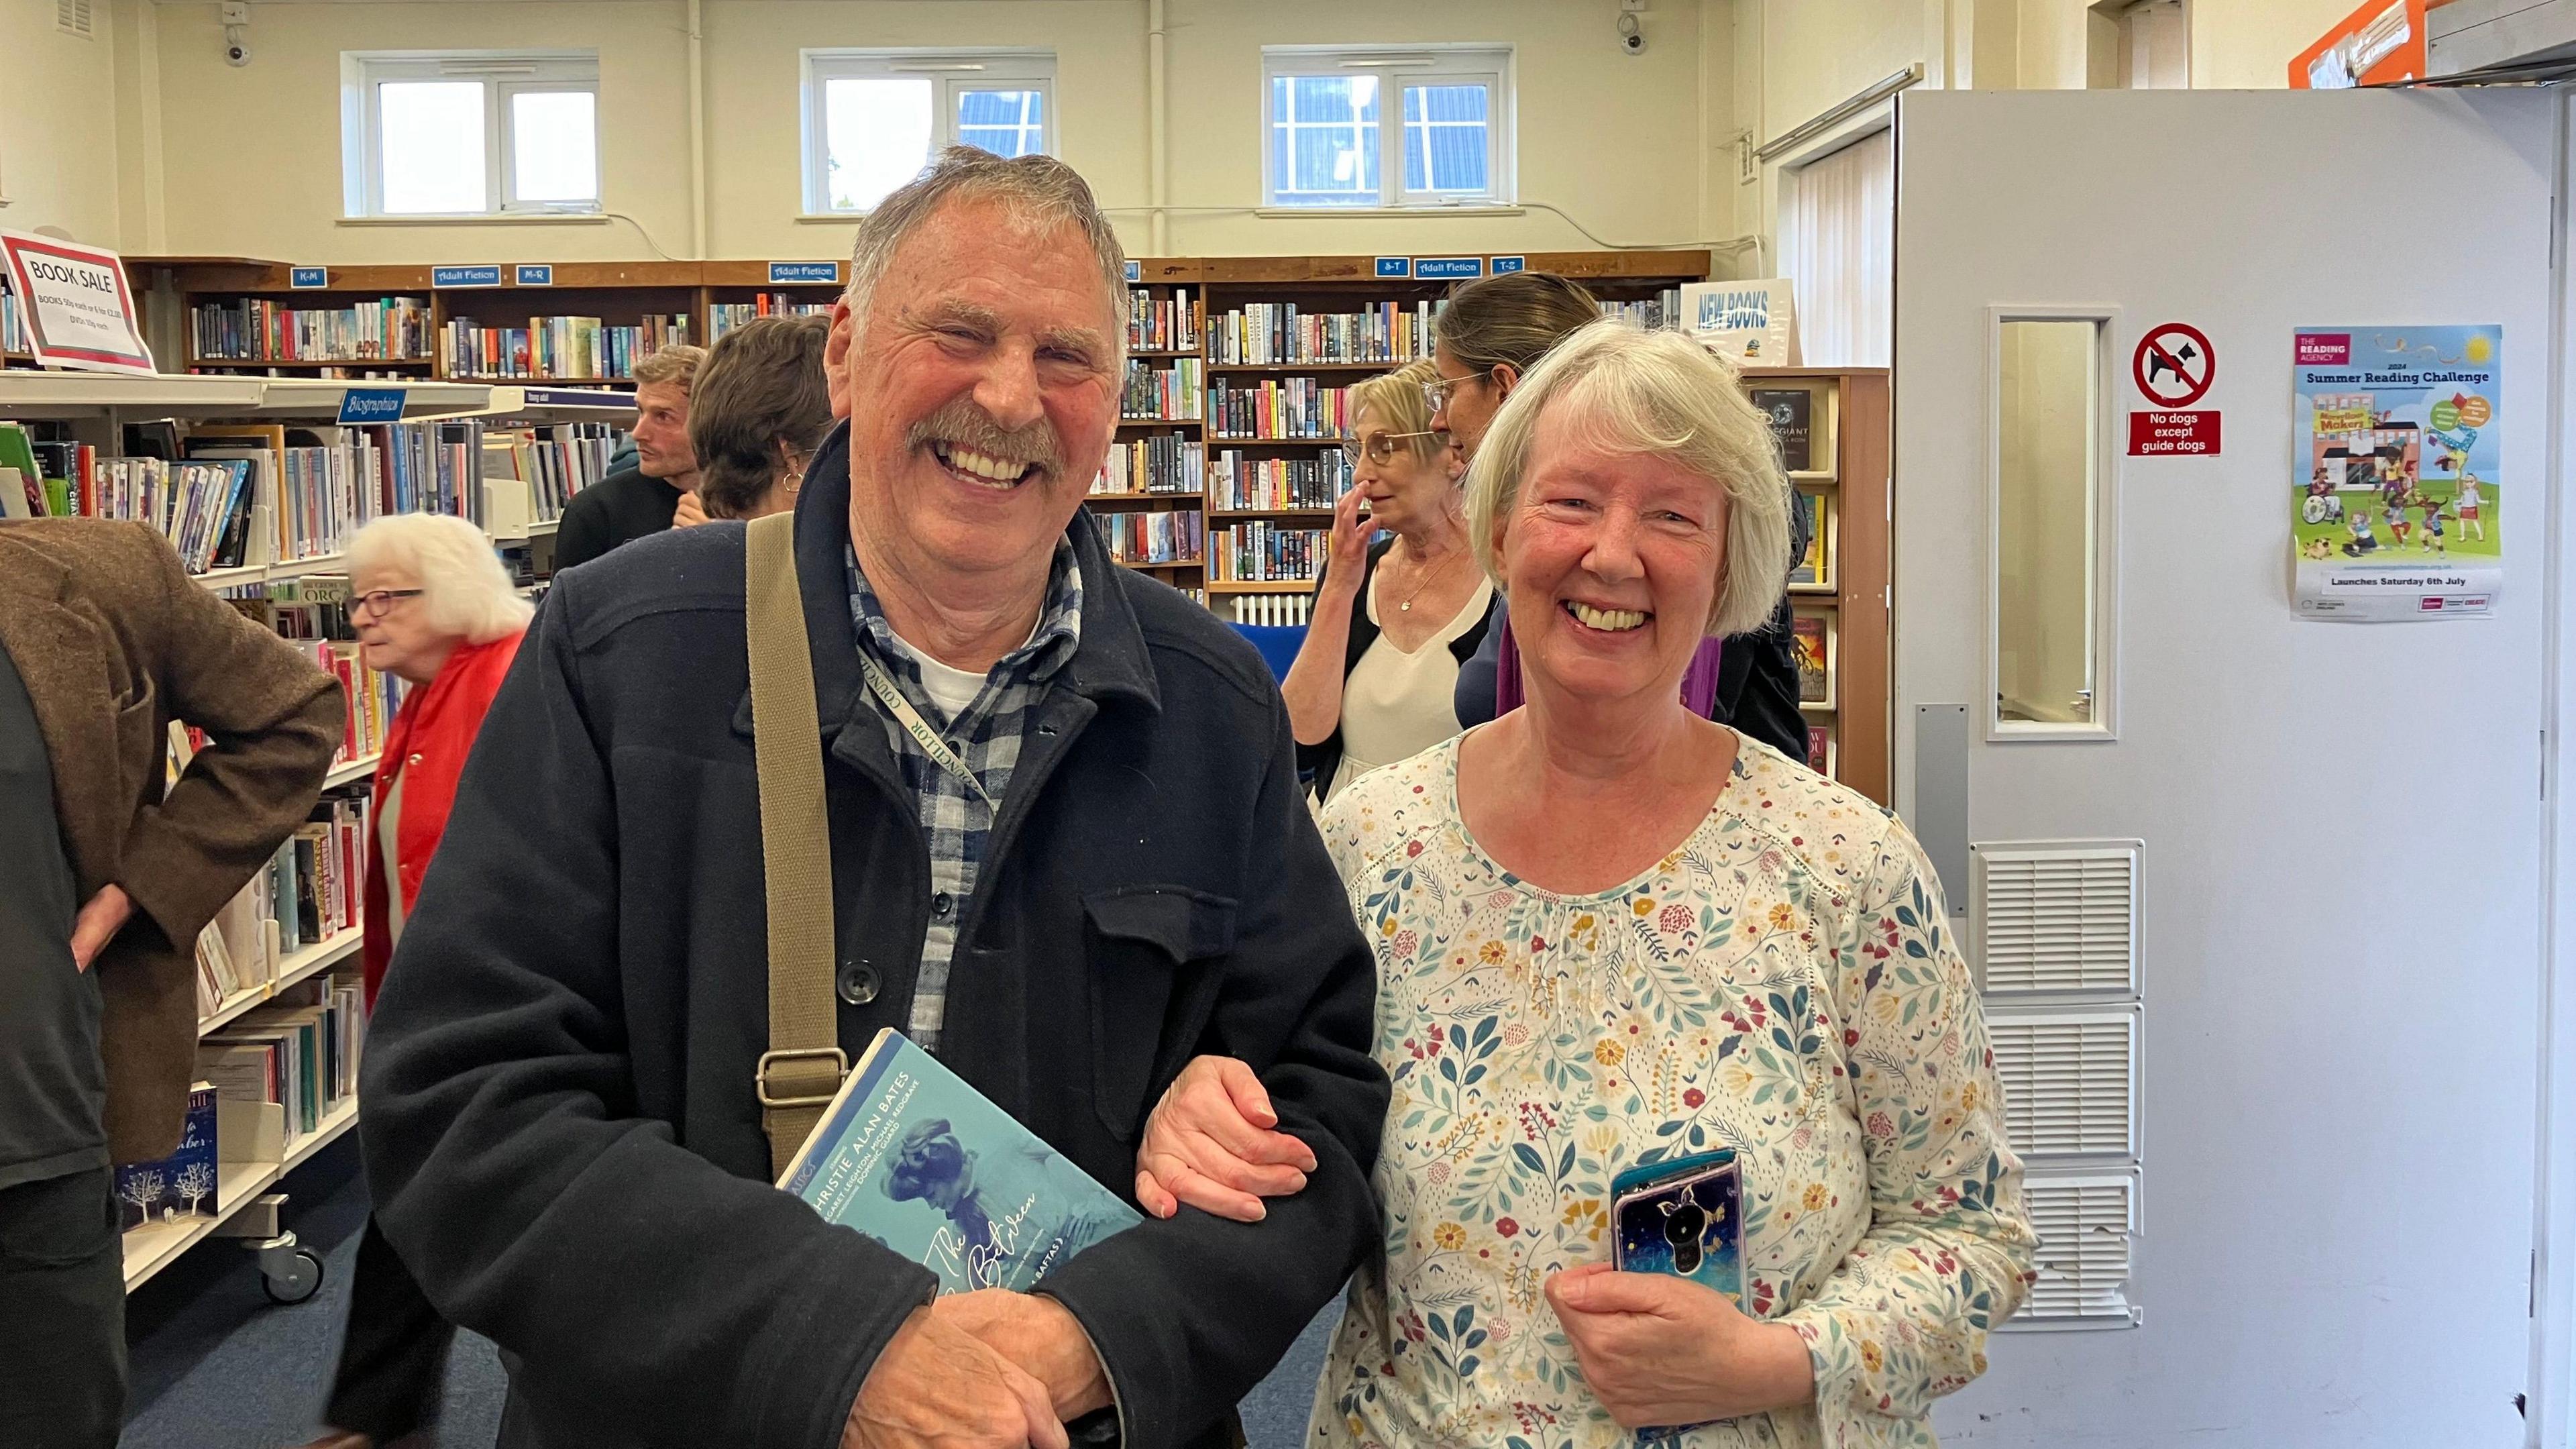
[2381,42]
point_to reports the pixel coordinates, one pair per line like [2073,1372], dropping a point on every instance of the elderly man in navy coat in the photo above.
[1068,853]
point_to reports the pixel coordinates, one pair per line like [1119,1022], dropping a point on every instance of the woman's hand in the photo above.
[1212,1144]
[1349,550]
[691,511]
[1662,1350]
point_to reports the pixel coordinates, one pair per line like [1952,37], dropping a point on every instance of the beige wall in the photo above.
[57,144]
[1619,142]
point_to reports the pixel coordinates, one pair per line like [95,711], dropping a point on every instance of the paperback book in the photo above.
[911,1156]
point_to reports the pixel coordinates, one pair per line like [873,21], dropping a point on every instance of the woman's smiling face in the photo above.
[1613,560]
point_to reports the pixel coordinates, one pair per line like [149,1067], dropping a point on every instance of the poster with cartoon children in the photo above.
[2397,474]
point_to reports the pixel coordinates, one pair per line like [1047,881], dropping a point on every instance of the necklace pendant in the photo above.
[1405,608]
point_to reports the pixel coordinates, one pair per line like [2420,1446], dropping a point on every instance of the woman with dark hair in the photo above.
[1491,333]
[761,407]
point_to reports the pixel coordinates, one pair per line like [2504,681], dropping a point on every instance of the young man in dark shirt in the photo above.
[633,502]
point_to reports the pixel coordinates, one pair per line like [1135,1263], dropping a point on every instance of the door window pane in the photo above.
[1324,139]
[1006,123]
[432,135]
[1445,130]
[876,136]
[554,146]
[2047,464]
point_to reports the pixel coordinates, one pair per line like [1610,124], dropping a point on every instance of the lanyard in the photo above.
[920,730]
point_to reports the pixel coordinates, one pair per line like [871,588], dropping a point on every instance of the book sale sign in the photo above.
[2397,472]
[79,310]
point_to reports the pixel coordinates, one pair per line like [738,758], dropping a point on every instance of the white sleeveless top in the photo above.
[1395,705]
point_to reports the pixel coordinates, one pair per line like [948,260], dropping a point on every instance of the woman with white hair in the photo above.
[434,608]
[1613,934]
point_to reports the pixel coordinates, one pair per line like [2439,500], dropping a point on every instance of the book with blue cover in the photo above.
[181,1184]
[911,1156]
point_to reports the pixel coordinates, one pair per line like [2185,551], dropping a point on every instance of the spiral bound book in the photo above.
[913,1157]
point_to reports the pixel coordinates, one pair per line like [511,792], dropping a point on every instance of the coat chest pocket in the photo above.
[139,747]
[1141,937]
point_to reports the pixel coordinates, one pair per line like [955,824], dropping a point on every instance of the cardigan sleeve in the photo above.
[1947,1254]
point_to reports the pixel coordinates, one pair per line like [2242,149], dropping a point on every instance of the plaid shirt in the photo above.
[986,737]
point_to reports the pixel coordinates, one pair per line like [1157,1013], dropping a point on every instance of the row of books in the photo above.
[1161,325]
[1273,611]
[310,890]
[1260,552]
[1159,537]
[254,329]
[13,323]
[1278,332]
[199,506]
[1163,394]
[1235,481]
[555,462]
[1662,310]
[723,317]
[1292,407]
[567,348]
[1168,463]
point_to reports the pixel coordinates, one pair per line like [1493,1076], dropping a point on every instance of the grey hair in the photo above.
[465,593]
[1034,189]
[1632,391]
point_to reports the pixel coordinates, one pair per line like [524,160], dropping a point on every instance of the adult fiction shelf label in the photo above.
[2399,478]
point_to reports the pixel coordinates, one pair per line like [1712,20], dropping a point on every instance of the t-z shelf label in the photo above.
[536,274]
[371,405]
[1447,269]
[1395,266]
[1502,265]
[486,276]
[782,273]
[306,278]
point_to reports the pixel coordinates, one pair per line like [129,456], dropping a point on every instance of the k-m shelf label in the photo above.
[306,278]
[536,274]
[782,273]
[1447,269]
[485,276]
[371,405]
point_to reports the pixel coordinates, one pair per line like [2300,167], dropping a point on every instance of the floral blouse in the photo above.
[1781,984]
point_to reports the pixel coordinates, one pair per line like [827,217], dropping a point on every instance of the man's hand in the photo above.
[1040,1336]
[1660,1350]
[1212,1143]
[938,1387]
[98,923]
[691,511]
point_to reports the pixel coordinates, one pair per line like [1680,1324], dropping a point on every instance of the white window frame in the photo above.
[1398,68]
[504,73]
[949,71]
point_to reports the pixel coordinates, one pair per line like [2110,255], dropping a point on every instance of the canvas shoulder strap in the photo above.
[804,1064]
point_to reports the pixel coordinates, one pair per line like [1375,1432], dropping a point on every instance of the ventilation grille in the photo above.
[2057,919]
[72,17]
[2068,1080]
[2085,1226]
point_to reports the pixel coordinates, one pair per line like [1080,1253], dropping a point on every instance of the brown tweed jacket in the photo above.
[114,640]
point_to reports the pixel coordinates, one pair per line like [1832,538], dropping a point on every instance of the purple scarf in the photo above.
[1699,681]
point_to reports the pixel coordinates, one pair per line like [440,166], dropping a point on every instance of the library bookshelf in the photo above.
[92,407]
[1193,297]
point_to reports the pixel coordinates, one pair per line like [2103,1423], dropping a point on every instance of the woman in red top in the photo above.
[434,608]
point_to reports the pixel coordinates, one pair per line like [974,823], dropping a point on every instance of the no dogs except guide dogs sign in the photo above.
[2173,368]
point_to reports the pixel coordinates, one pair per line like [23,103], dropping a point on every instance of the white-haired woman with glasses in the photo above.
[1611,933]
[434,608]
[1377,678]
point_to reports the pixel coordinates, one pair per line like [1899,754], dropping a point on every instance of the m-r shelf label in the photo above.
[2173,434]
[789,273]
[535,274]
[479,276]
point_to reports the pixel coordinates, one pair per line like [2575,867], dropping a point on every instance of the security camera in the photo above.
[1632,39]
[236,19]
[236,53]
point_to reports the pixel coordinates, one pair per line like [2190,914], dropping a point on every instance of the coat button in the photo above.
[941,904]
[858,983]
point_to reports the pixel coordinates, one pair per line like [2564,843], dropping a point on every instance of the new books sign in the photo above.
[80,312]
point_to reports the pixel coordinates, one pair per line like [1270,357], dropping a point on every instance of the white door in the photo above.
[2286,1167]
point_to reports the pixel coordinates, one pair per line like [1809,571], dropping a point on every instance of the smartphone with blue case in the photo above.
[1685,1217]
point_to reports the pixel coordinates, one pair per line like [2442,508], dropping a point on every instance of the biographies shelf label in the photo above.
[2394,503]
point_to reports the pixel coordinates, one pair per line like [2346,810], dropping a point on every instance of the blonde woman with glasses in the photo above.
[1376,680]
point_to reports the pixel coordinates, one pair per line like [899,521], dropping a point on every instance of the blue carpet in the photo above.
[216,1365]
